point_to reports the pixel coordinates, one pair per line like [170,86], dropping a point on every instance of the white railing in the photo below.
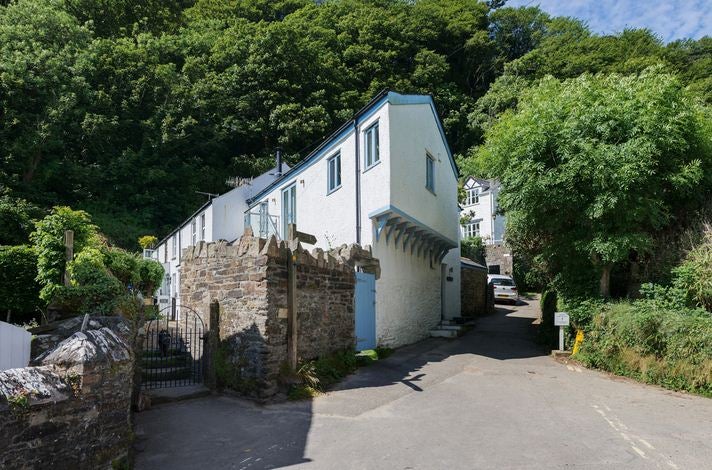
[263,224]
[14,346]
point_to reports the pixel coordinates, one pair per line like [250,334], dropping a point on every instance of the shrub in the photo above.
[48,240]
[16,220]
[147,241]
[650,341]
[473,248]
[694,275]
[547,331]
[94,288]
[19,290]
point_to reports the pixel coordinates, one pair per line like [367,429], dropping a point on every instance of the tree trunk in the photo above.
[9,315]
[605,285]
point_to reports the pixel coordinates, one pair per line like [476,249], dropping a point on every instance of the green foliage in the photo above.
[147,241]
[578,153]
[694,275]
[650,341]
[19,291]
[16,220]
[547,332]
[473,248]
[318,375]
[48,241]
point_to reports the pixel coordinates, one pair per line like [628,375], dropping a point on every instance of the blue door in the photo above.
[365,300]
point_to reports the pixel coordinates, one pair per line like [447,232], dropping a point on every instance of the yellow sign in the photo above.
[579,340]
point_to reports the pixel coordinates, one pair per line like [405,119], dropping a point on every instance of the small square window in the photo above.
[371,146]
[430,172]
[334,172]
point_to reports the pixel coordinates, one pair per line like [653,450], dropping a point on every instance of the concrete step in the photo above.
[444,333]
[168,392]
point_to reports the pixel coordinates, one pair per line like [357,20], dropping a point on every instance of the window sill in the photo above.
[331,191]
[378,162]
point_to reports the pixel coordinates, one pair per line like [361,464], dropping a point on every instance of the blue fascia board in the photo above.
[367,111]
[391,209]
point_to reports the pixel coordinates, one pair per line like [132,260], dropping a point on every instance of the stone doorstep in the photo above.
[177,393]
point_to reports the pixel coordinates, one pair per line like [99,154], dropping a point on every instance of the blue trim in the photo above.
[347,128]
[336,155]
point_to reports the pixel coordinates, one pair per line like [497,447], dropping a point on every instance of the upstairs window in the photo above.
[473,197]
[371,146]
[334,173]
[471,229]
[174,246]
[202,226]
[194,231]
[430,173]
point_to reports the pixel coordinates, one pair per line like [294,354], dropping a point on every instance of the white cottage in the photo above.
[387,179]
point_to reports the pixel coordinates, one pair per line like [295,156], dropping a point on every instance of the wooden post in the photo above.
[291,311]
[291,231]
[68,253]
[213,343]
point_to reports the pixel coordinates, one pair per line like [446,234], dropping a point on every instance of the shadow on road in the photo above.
[226,432]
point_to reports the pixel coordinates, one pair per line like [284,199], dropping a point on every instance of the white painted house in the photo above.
[480,217]
[387,179]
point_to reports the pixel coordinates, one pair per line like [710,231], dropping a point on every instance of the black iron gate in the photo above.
[173,350]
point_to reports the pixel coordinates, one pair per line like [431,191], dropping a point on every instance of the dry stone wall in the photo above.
[72,409]
[249,279]
[475,300]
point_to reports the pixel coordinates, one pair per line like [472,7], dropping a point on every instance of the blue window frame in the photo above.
[430,172]
[289,209]
[334,173]
[371,146]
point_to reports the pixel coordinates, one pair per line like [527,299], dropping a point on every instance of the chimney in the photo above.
[278,158]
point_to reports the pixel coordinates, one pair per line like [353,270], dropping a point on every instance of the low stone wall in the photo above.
[249,279]
[475,300]
[71,410]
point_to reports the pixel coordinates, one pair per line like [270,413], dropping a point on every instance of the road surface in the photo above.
[488,400]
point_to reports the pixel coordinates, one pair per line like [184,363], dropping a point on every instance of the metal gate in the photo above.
[365,307]
[173,350]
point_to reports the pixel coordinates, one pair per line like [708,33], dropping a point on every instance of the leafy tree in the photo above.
[592,167]
[147,241]
[48,240]
[473,248]
[19,291]
[16,220]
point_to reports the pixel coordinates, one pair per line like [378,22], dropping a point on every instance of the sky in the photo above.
[669,19]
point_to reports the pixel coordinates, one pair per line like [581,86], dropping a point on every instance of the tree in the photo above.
[16,220]
[592,167]
[474,249]
[19,291]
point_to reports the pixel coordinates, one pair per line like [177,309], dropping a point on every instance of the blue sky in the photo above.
[671,19]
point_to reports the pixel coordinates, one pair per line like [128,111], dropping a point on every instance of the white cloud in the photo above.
[671,20]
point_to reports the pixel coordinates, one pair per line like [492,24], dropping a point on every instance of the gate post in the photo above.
[213,343]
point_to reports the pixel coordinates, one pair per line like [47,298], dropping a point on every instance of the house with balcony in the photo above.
[480,217]
[385,179]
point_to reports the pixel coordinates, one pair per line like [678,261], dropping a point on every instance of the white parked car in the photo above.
[504,288]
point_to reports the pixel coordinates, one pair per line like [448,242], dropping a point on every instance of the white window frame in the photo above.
[291,200]
[194,231]
[471,229]
[473,196]
[175,247]
[202,226]
[333,173]
[371,146]
[430,172]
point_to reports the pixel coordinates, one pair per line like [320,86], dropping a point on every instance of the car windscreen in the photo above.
[502,281]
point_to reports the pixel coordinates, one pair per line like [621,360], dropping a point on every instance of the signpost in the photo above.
[561,319]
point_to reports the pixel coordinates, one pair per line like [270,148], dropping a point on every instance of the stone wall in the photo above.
[71,410]
[501,255]
[475,298]
[249,279]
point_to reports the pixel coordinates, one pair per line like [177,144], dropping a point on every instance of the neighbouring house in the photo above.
[479,217]
[221,218]
[385,179]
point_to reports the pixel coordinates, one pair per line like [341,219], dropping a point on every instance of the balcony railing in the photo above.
[263,224]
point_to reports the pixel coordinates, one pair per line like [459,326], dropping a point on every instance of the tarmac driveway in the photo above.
[490,399]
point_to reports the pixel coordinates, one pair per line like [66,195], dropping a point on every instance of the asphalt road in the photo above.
[488,400]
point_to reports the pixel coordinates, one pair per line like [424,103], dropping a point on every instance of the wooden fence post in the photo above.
[68,253]
[213,344]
